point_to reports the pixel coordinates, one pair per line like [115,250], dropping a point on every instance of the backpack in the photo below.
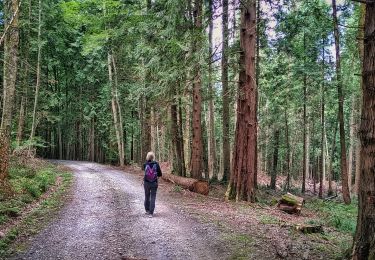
[151,174]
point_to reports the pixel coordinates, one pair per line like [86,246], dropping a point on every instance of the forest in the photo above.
[243,94]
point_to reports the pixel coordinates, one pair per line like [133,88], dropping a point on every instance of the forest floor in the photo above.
[104,218]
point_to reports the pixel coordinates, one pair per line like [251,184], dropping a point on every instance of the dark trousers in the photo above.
[150,196]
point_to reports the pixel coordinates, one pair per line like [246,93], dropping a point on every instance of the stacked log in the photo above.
[191,184]
[291,204]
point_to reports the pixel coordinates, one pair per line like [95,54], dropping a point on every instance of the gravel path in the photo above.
[105,219]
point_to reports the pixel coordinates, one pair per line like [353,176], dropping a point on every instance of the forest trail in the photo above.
[104,219]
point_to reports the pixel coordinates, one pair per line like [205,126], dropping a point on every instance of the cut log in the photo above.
[308,229]
[291,204]
[191,184]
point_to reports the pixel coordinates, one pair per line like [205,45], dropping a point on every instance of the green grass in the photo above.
[336,214]
[28,184]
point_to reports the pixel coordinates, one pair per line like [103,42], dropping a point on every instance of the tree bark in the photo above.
[225,94]
[120,119]
[115,109]
[197,143]
[212,164]
[37,86]
[364,241]
[305,165]
[11,41]
[177,142]
[242,181]
[343,162]
[275,160]
[361,35]
[322,122]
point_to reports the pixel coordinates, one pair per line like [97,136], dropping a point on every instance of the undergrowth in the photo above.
[28,183]
[336,214]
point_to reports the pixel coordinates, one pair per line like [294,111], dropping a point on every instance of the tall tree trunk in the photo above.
[287,150]
[343,163]
[197,144]
[352,142]
[25,83]
[212,165]
[187,136]
[330,168]
[305,165]
[37,86]
[275,159]
[225,94]
[364,241]
[114,109]
[361,34]
[322,122]
[242,180]
[176,135]
[11,41]
[120,122]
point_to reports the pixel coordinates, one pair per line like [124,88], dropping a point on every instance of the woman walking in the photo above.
[150,182]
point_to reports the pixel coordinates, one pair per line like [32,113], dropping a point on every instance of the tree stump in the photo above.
[291,204]
[308,229]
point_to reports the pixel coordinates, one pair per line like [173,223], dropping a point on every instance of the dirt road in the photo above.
[104,219]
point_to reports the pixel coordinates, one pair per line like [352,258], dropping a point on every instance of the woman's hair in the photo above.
[150,156]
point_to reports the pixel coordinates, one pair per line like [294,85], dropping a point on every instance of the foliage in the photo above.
[335,214]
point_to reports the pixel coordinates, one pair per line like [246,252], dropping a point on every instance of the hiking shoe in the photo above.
[147,212]
[150,215]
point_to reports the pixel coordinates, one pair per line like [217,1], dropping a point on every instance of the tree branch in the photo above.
[364,1]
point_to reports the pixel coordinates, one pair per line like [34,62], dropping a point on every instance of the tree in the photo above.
[364,241]
[197,142]
[343,162]
[37,86]
[211,107]
[225,94]
[11,41]
[243,172]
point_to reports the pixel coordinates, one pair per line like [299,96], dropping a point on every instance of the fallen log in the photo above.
[291,204]
[191,184]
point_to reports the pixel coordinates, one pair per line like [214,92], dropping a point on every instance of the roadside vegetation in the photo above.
[37,189]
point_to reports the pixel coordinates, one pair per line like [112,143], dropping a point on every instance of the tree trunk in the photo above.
[37,86]
[322,122]
[343,163]
[225,94]
[114,110]
[11,41]
[242,180]
[120,122]
[305,166]
[176,136]
[191,184]
[287,151]
[330,168]
[364,241]
[212,165]
[352,143]
[197,143]
[275,160]
[361,34]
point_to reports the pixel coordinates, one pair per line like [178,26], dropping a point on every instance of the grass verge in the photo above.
[39,190]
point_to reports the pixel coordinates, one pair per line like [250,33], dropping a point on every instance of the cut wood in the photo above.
[191,184]
[308,229]
[290,203]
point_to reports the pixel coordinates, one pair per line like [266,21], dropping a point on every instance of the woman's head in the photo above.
[150,156]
